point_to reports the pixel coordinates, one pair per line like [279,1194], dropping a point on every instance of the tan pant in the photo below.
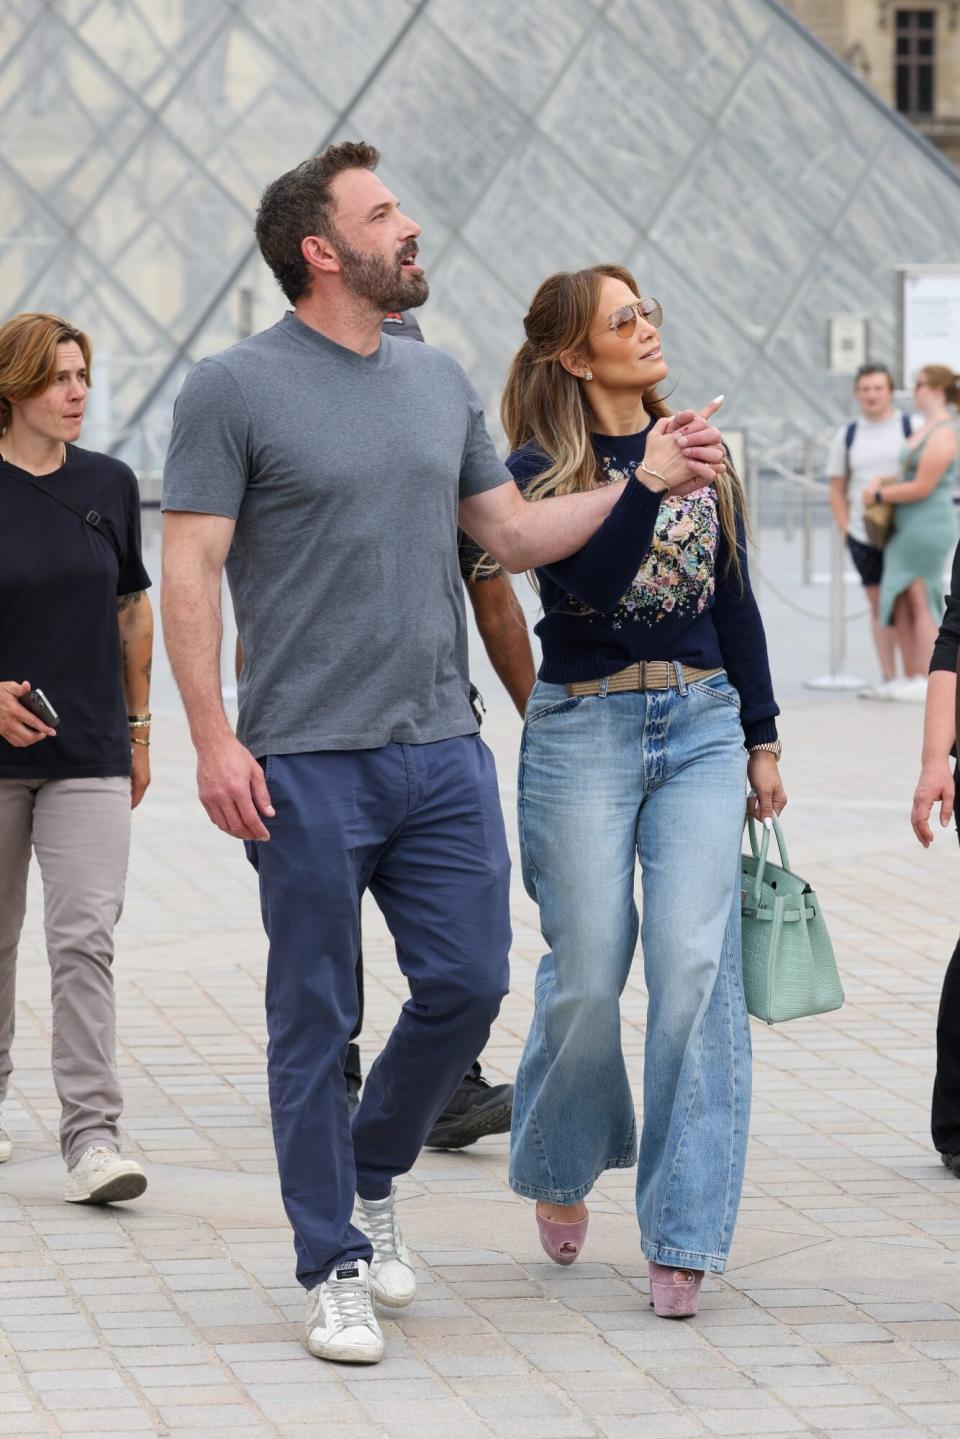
[80,831]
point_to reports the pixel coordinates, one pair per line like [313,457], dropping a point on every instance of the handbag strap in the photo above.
[761,851]
[90,517]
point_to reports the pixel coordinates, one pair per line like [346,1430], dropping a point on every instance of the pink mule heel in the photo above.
[674,1293]
[562,1241]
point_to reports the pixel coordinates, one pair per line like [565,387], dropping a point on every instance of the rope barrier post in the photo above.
[806,510]
[789,510]
[836,679]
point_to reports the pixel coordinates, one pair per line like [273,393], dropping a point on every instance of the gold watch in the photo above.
[770,746]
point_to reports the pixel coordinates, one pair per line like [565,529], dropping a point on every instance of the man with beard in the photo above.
[327,465]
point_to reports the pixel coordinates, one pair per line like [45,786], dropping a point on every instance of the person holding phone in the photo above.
[653,705]
[76,639]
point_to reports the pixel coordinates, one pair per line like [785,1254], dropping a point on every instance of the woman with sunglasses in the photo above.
[654,703]
[924,527]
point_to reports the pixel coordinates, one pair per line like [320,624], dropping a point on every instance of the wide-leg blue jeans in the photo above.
[605,780]
[421,827]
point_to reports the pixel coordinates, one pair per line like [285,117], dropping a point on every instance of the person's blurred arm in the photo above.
[838,465]
[839,503]
[939,453]
[135,620]
[940,720]
[503,628]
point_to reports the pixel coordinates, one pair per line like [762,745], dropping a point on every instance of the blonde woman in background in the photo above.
[76,626]
[924,527]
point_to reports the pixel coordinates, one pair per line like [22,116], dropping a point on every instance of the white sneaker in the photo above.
[6,1145]
[912,691]
[100,1176]
[392,1276]
[340,1322]
[885,690]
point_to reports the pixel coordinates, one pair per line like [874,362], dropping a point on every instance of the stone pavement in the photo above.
[177,1315]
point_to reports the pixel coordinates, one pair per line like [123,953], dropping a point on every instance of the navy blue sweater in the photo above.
[653,583]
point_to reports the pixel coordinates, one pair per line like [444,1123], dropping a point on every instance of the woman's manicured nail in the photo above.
[718,400]
[768,823]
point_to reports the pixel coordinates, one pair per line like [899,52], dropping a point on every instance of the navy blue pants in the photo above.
[421,827]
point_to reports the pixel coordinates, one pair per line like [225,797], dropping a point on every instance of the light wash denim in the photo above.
[606,779]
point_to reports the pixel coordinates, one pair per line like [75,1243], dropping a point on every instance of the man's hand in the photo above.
[232,789]
[139,773]
[18,725]
[698,457]
[935,783]
[767,795]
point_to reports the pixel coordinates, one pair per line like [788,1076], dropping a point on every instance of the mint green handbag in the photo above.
[789,968]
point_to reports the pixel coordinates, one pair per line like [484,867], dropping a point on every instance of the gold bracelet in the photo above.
[657,476]
[144,715]
[144,742]
[138,723]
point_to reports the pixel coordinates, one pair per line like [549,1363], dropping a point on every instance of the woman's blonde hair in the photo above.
[941,377]
[544,404]
[28,357]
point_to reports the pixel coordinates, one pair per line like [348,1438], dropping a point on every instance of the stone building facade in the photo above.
[909,54]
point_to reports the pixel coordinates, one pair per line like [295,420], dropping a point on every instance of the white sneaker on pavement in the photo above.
[392,1276]
[100,1176]
[6,1145]
[341,1323]
[885,690]
[912,691]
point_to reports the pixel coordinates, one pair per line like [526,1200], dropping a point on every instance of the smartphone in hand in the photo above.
[37,702]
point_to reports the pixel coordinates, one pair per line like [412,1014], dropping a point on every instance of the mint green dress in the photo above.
[924,534]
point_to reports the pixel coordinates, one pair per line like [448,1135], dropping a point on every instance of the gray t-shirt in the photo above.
[344,473]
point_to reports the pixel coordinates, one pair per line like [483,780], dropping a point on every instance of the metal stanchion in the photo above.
[836,679]
[806,511]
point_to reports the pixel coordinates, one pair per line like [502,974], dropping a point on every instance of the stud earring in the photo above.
[588,375]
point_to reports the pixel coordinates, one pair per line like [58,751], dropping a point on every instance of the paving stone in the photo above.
[196,1313]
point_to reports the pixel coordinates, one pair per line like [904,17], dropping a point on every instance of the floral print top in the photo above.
[677,575]
[654,582]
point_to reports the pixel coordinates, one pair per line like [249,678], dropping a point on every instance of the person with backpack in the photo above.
[863,452]
[76,638]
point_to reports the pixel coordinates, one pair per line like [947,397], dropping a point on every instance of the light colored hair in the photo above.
[28,357]
[941,377]
[545,405]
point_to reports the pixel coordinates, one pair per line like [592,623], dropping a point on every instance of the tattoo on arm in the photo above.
[147,670]
[125,601]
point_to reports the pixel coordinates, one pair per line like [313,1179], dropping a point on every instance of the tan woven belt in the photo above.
[647,675]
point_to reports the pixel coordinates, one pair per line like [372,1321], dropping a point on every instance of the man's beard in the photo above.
[386,285]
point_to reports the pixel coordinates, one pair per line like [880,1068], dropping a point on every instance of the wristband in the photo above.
[144,742]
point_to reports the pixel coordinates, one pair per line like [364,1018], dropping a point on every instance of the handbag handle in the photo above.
[760,852]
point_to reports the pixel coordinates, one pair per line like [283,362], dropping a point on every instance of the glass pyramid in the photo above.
[748,178]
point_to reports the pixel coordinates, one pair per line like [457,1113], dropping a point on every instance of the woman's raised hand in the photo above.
[686,450]
[18,725]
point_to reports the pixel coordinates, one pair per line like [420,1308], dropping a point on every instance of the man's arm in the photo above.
[231,783]
[839,503]
[503,629]
[522,536]
[135,621]
[684,453]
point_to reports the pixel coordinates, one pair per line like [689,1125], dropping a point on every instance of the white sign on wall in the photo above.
[847,343]
[928,314]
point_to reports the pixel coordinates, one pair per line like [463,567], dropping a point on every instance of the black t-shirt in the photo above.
[59,582]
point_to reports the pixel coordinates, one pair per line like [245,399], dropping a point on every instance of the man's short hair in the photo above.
[301,203]
[869,369]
